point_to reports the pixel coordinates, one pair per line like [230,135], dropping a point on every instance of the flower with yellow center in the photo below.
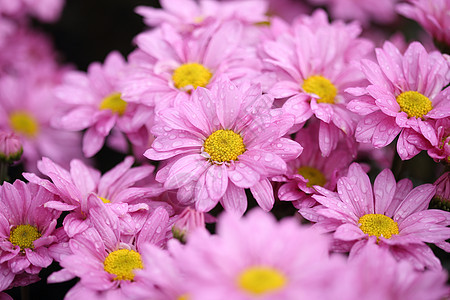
[322,87]
[414,104]
[104,200]
[24,236]
[122,263]
[114,103]
[190,76]
[261,280]
[378,225]
[224,145]
[24,123]
[314,176]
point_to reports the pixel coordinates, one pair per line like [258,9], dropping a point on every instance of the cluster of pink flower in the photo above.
[234,103]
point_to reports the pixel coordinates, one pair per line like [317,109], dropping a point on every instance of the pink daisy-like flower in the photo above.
[442,149]
[82,188]
[380,11]
[257,258]
[375,274]
[221,142]
[94,103]
[394,214]
[171,66]
[186,15]
[45,10]
[433,15]
[311,168]
[104,259]
[405,97]
[27,231]
[314,66]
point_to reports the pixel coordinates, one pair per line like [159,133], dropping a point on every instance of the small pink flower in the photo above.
[82,188]
[188,221]
[221,142]
[94,102]
[185,15]
[394,214]
[10,147]
[406,96]
[104,259]
[293,260]
[27,231]
[314,65]
[441,151]
[45,10]
[432,15]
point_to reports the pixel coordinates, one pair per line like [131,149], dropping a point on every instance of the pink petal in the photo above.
[203,202]
[234,200]
[417,200]
[263,193]
[186,169]
[384,190]
[217,181]
[348,232]
[92,142]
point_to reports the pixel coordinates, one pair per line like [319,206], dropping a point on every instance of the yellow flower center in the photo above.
[105,200]
[322,87]
[314,176]
[183,297]
[414,104]
[24,236]
[122,263]
[261,280]
[24,123]
[378,225]
[190,76]
[114,103]
[224,145]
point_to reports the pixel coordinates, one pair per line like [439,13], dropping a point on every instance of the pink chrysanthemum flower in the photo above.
[45,10]
[257,258]
[394,214]
[94,103]
[405,96]
[314,68]
[161,277]
[433,15]
[380,11]
[83,187]
[221,142]
[311,168]
[375,274]
[170,65]
[104,259]
[27,230]
[185,15]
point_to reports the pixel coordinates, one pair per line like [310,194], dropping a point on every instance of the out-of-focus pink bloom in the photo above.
[293,260]
[375,274]
[311,168]
[45,10]
[394,214]
[380,11]
[161,277]
[94,103]
[170,66]
[433,15]
[221,142]
[104,259]
[10,146]
[405,97]
[82,188]
[441,151]
[314,65]
[27,231]
[185,15]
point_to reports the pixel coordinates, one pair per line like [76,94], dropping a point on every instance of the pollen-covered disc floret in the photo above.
[122,263]
[322,87]
[24,236]
[314,176]
[224,145]
[191,75]
[414,104]
[261,280]
[24,123]
[115,103]
[378,225]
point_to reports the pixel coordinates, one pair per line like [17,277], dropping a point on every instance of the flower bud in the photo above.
[10,147]
[188,220]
